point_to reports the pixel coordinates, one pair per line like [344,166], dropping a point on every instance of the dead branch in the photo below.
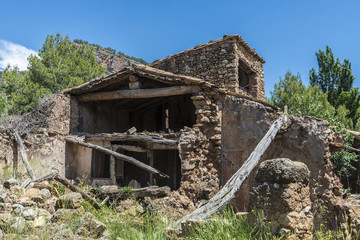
[117,155]
[23,155]
[71,186]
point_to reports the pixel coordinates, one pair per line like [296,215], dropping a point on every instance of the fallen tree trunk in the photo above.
[23,155]
[228,191]
[118,155]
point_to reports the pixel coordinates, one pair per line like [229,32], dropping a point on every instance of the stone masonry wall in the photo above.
[305,139]
[199,149]
[257,86]
[42,132]
[218,63]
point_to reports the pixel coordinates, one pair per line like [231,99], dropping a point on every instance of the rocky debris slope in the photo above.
[38,212]
[47,210]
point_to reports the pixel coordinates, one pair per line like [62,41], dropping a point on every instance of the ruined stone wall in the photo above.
[42,132]
[257,84]
[305,139]
[199,150]
[218,63]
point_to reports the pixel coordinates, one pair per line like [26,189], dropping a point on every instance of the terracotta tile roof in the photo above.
[236,37]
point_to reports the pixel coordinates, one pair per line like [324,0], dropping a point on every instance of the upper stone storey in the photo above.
[228,62]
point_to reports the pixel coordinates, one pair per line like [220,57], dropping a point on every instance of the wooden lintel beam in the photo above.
[138,93]
[156,146]
[129,148]
[135,138]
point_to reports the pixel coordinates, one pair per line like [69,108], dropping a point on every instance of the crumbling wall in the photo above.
[305,140]
[199,149]
[218,62]
[42,132]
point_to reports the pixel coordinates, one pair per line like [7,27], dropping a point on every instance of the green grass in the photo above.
[224,225]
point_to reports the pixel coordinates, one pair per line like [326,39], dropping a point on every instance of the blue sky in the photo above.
[285,33]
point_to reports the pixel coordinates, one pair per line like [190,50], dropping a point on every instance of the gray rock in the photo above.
[17,209]
[3,196]
[94,227]
[28,203]
[65,234]
[41,196]
[43,212]
[64,215]
[39,222]
[29,214]
[282,171]
[70,200]
[10,182]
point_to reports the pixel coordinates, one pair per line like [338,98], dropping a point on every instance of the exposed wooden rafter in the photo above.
[138,93]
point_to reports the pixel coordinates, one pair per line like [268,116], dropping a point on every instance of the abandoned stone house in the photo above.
[176,106]
[195,116]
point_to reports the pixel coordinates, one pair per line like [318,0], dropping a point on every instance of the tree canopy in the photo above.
[60,64]
[333,76]
[307,101]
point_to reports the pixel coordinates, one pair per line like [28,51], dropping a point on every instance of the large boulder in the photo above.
[282,171]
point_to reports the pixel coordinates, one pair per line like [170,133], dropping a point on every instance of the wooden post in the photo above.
[15,158]
[23,155]
[112,169]
[150,155]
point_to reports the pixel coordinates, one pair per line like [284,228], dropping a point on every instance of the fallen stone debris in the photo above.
[40,208]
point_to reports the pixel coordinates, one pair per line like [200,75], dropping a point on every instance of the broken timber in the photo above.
[228,191]
[69,185]
[117,155]
[23,155]
[128,137]
[137,93]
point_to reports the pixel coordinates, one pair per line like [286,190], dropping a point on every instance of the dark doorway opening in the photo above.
[100,165]
[167,161]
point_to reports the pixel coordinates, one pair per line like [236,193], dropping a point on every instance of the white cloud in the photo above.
[14,54]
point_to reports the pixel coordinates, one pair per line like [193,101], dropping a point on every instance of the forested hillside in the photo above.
[61,63]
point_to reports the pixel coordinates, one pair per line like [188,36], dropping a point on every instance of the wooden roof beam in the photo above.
[138,93]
